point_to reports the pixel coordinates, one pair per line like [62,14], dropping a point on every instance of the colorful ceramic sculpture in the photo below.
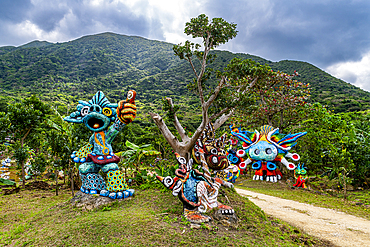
[232,173]
[265,148]
[4,168]
[215,156]
[97,115]
[196,190]
[237,158]
[213,149]
[300,173]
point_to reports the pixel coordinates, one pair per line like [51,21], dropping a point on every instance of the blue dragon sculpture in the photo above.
[97,115]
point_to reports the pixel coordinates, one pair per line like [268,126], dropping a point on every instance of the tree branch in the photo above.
[221,120]
[24,137]
[219,113]
[215,93]
[177,124]
[202,70]
[251,84]
[193,67]
[167,134]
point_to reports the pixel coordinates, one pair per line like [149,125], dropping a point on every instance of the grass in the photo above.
[284,190]
[151,218]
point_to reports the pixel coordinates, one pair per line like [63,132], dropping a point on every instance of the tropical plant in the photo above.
[133,156]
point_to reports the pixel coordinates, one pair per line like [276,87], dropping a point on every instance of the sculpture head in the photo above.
[213,149]
[268,145]
[300,170]
[96,114]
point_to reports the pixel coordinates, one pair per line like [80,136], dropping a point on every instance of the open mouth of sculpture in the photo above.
[95,123]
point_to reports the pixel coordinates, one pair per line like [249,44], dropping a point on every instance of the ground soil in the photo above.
[337,227]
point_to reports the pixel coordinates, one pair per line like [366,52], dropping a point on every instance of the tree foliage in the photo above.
[336,144]
[26,119]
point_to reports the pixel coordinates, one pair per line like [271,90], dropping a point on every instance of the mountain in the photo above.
[36,43]
[66,72]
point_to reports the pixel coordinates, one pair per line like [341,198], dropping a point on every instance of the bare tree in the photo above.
[213,33]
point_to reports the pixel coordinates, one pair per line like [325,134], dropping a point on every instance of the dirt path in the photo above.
[337,227]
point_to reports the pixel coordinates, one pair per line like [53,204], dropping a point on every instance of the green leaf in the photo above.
[132,145]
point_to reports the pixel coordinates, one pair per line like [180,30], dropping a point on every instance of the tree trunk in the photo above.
[345,186]
[23,170]
[71,173]
[56,181]
[269,120]
[281,121]
[23,175]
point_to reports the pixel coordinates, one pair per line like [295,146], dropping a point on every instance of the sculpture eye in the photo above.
[181,160]
[214,160]
[268,151]
[85,111]
[257,151]
[214,151]
[130,94]
[107,111]
[168,181]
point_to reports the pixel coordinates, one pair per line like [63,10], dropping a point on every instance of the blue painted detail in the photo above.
[232,158]
[189,188]
[93,192]
[112,195]
[82,189]
[104,192]
[111,153]
[126,194]
[83,160]
[76,159]
[257,165]
[93,154]
[119,195]
[131,191]
[100,158]
[271,166]
[109,157]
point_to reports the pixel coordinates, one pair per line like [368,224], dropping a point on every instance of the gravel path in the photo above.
[339,228]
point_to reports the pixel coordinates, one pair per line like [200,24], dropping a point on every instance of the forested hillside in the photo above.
[65,72]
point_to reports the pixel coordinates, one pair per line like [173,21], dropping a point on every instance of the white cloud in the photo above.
[173,15]
[355,72]
[32,31]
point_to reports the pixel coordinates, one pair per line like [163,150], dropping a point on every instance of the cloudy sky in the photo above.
[331,34]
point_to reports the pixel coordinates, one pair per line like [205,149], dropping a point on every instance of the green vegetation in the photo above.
[65,72]
[38,218]
[336,145]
